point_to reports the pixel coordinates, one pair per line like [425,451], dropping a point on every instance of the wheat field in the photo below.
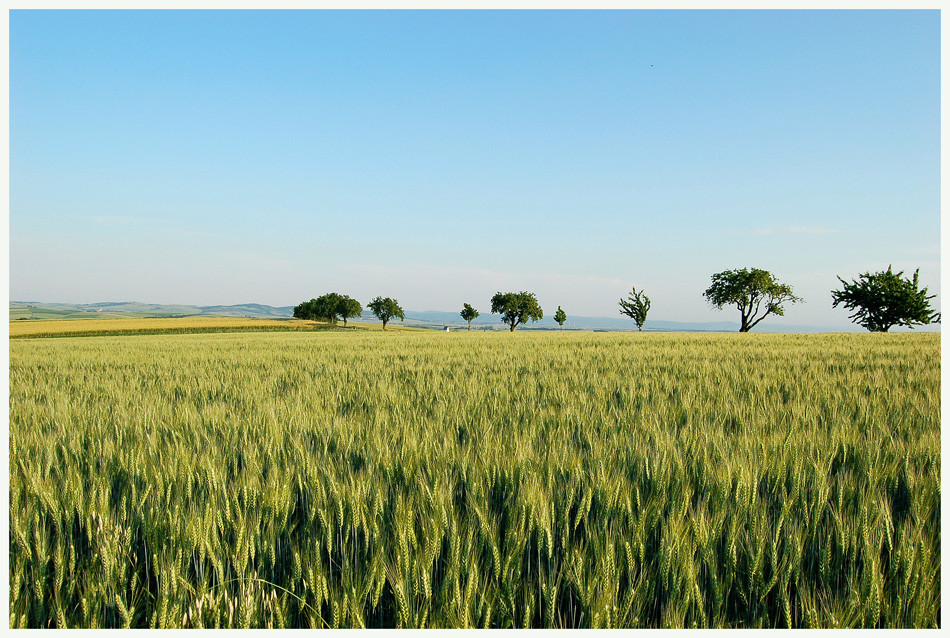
[142,326]
[423,479]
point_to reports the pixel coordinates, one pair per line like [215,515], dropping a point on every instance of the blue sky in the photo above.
[437,157]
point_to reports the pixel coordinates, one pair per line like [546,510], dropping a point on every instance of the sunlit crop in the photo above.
[170,325]
[371,479]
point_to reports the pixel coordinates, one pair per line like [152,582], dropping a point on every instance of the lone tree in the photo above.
[885,299]
[516,307]
[385,309]
[468,313]
[636,306]
[560,317]
[756,293]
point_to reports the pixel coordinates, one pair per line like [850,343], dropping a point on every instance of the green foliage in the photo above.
[516,308]
[386,309]
[328,307]
[348,308]
[560,316]
[755,293]
[348,479]
[306,310]
[468,313]
[636,306]
[885,299]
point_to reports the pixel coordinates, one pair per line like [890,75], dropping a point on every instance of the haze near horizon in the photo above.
[227,157]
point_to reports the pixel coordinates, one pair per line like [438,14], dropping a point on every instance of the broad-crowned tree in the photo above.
[885,299]
[516,308]
[385,309]
[754,292]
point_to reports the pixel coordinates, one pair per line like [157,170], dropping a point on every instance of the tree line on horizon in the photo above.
[879,300]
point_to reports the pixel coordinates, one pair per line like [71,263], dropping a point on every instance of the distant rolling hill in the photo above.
[248,310]
[59,310]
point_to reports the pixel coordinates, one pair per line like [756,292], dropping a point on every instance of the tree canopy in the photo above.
[385,309]
[328,307]
[516,308]
[468,313]
[320,309]
[885,299]
[348,308]
[636,307]
[560,317]
[756,294]
[305,310]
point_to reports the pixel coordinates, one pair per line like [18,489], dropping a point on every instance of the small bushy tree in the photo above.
[885,299]
[516,308]
[385,309]
[468,313]
[560,317]
[636,306]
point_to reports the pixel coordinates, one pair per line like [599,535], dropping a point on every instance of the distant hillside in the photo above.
[425,318]
[40,310]
[248,310]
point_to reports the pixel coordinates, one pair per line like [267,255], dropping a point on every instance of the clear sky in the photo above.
[438,157]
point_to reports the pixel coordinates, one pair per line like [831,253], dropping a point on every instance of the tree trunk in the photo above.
[384,324]
[469,324]
[513,327]
[344,322]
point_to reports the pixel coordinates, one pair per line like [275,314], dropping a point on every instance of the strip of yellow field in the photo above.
[171,325]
